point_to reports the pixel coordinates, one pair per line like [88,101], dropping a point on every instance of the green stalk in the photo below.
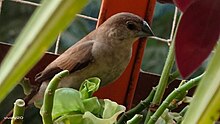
[173,76]
[137,109]
[190,84]
[136,119]
[163,81]
[18,112]
[205,106]
[46,109]
[164,77]
[175,103]
[145,103]
[182,113]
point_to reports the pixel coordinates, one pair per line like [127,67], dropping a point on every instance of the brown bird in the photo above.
[103,53]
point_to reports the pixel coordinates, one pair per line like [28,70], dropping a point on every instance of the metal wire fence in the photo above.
[95,19]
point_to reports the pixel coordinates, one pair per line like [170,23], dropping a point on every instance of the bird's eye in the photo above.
[130,25]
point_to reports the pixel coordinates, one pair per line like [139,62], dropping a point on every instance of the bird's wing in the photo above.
[75,58]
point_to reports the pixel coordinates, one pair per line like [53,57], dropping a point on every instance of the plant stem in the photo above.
[182,113]
[18,112]
[164,76]
[137,109]
[136,119]
[46,109]
[145,103]
[25,83]
[163,80]
[173,76]
[176,102]
[168,100]
[205,106]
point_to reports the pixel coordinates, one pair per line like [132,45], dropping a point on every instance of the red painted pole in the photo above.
[122,91]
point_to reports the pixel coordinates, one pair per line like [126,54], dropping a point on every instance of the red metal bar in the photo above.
[122,90]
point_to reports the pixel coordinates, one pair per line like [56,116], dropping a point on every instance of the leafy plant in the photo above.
[77,107]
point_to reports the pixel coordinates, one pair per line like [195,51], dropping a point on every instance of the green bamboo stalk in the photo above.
[190,84]
[46,109]
[175,102]
[164,76]
[18,112]
[173,76]
[136,119]
[163,80]
[137,109]
[183,112]
[205,106]
[145,103]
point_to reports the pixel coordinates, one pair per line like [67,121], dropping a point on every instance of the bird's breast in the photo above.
[112,60]
[108,65]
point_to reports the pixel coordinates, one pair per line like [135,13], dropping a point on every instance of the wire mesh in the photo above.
[95,19]
[1,5]
[58,38]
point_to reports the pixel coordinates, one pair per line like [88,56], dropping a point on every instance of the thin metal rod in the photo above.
[1,6]
[172,30]
[37,4]
[174,23]
[160,39]
[57,44]
[26,2]
[87,17]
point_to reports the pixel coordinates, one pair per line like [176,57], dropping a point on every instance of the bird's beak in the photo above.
[146,30]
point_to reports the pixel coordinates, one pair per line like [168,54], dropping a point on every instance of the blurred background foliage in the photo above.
[14,16]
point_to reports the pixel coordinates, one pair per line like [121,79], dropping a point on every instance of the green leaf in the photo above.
[47,107]
[67,100]
[111,109]
[71,119]
[92,105]
[205,106]
[96,120]
[51,18]
[160,121]
[78,108]
[89,118]
[167,117]
[89,86]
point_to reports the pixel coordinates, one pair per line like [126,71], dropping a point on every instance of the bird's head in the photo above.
[125,26]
